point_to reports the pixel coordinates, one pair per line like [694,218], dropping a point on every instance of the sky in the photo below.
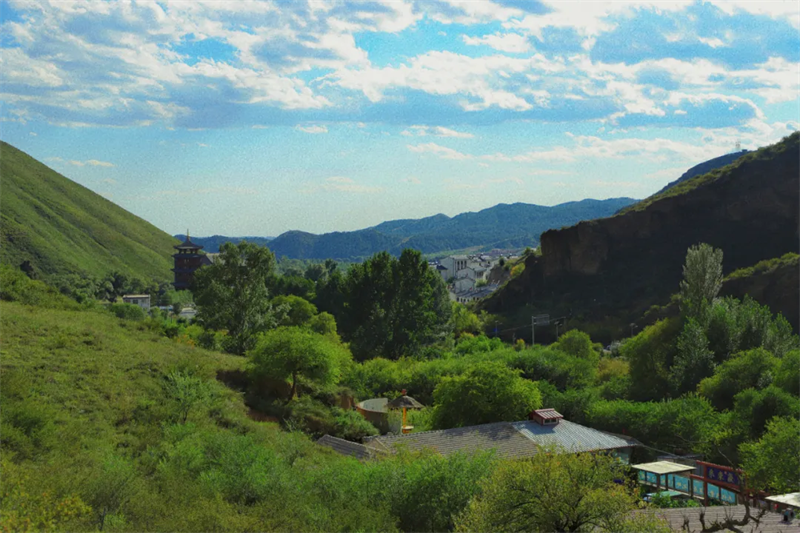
[259,117]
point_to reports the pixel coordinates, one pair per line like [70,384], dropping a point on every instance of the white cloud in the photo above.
[341,184]
[439,151]
[436,131]
[312,129]
[504,42]
[412,180]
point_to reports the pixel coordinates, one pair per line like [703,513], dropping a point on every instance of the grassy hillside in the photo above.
[62,227]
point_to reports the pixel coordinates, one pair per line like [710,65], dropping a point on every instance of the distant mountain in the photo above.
[607,273]
[705,167]
[211,244]
[62,227]
[502,226]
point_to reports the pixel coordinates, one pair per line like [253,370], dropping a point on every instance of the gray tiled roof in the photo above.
[500,436]
[345,447]
[571,436]
[508,439]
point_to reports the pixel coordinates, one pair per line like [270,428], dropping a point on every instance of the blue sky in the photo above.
[257,117]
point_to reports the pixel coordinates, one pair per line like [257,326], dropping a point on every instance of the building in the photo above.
[142,300]
[510,440]
[187,260]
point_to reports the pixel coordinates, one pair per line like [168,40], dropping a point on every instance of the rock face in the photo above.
[622,265]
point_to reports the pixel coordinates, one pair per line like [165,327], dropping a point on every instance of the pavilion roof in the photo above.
[663,467]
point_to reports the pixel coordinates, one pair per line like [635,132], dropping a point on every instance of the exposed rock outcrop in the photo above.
[622,265]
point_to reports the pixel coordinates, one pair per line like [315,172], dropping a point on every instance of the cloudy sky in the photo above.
[256,117]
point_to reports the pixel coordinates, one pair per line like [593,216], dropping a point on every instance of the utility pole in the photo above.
[533,330]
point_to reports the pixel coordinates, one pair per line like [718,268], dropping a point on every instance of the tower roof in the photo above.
[188,244]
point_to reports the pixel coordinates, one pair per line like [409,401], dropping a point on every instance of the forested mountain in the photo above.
[212,244]
[608,272]
[502,226]
[61,227]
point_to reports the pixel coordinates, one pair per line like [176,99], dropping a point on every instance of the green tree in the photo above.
[753,408]
[750,369]
[464,320]
[556,491]
[694,361]
[651,354]
[294,353]
[773,463]
[487,392]
[787,377]
[393,307]
[232,294]
[292,310]
[578,344]
[188,392]
[702,279]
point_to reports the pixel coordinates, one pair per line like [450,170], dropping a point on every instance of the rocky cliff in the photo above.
[619,266]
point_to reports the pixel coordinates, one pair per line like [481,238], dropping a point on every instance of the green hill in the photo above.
[62,227]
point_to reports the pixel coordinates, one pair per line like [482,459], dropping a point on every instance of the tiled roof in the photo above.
[572,437]
[500,436]
[548,413]
[345,447]
[509,439]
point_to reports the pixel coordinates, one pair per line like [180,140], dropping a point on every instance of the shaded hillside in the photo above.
[705,167]
[62,227]
[775,282]
[609,271]
[502,226]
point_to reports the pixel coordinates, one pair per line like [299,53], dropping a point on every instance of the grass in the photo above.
[767,152]
[62,227]
[765,267]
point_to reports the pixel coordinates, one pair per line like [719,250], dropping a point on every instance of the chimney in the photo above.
[545,417]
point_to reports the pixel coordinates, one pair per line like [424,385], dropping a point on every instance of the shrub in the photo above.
[127,311]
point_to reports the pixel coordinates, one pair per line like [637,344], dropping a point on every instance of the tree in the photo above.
[702,279]
[650,354]
[464,320]
[578,344]
[294,353]
[750,369]
[292,310]
[232,294]
[694,360]
[187,392]
[773,463]
[556,491]
[487,392]
[393,307]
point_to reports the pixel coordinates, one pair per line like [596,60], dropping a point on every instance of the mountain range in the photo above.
[502,226]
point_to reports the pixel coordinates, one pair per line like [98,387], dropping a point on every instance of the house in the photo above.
[453,264]
[509,440]
[463,284]
[142,300]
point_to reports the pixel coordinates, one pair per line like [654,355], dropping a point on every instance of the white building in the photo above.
[142,300]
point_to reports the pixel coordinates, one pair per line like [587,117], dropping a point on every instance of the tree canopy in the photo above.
[487,392]
[232,294]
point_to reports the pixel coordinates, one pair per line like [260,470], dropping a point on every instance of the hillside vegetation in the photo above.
[63,228]
[502,226]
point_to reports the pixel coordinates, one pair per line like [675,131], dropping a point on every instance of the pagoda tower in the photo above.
[187,260]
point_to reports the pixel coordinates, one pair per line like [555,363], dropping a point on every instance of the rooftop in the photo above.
[508,439]
[188,245]
[791,499]
[663,467]
[345,447]
[135,296]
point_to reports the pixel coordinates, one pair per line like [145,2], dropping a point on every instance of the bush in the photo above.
[352,426]
[127,311]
